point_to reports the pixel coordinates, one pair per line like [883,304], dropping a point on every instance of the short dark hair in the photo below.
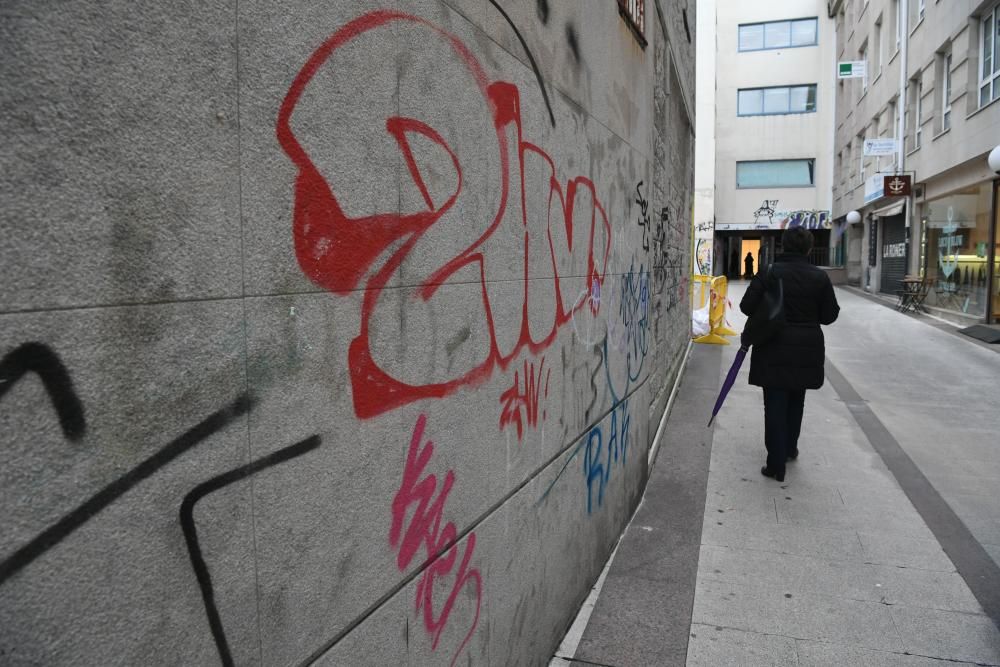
[797,240]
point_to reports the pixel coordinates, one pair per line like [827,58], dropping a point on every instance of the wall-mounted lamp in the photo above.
[853,218]
[994,160]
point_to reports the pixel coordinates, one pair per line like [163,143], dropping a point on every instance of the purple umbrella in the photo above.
[728,383]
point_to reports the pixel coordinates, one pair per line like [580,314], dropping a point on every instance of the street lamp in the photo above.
[854,217]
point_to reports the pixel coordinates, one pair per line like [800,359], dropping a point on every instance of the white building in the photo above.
[933,65]
[774,111]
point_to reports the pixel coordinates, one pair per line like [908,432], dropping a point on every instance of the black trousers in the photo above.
[782,423]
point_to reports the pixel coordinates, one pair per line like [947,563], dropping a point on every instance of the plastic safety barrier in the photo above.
[712,291]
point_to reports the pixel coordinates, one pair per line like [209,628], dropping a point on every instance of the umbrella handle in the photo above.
[710,422]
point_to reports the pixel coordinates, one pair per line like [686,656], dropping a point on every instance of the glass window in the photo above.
[946,93]
[989,62]
[777,100]
[751,102]
[774,174]
[957,244]
[802,99]
[777,35]
[804,32]
[752,37]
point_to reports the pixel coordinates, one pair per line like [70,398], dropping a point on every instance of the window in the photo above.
[634,13]
[921,10]
[918,126]
[878,58]
[779,100]
[861,160]
[775,174]
[946,92]
[989,63]
[863,57]
[777,35]
[899,22]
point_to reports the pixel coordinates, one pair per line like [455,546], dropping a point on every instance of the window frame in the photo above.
[811,166]
[763,39]
[918,85]
[988,80]
[789,112]
[946,84]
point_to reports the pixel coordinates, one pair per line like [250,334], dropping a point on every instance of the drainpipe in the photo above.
[904,39]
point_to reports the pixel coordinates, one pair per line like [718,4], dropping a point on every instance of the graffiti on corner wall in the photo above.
[769,216]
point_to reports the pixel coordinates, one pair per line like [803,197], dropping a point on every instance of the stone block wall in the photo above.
[330,333]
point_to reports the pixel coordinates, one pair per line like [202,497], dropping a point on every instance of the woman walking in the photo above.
[792,361]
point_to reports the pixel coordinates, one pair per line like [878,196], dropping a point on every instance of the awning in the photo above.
[890,210]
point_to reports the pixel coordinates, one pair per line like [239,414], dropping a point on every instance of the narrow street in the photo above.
[857,558]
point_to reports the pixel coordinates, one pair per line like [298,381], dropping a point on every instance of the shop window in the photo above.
[956,249]
[775,174]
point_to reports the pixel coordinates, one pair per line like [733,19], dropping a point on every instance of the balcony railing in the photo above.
[634,13]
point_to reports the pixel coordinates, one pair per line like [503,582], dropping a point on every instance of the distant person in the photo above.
[792,361]
[748,266]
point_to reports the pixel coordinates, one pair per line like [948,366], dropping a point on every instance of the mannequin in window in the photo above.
[748,266]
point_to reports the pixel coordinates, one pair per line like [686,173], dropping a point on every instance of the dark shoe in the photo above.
[767,472]
[792,455]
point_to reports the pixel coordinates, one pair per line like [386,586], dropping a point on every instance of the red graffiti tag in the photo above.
[425,530]
[338,250]
[522,404]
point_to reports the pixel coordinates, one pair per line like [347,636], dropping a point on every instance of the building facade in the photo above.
[773,130]
[332,332]
[930,91]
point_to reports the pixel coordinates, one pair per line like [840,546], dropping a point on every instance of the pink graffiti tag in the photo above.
[425,530]
[523,404]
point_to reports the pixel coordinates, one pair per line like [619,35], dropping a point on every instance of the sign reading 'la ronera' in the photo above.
[898,186]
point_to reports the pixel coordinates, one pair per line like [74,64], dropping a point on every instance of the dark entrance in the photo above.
[894,253]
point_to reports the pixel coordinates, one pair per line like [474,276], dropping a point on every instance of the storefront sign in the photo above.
[894,250]
[898,186]
[879,147]
[874,188]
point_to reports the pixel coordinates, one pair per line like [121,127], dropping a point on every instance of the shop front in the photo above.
[959,251]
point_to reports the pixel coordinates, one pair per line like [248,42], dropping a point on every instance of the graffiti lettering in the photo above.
[425,530]
[191,532]
[643,220]
[337,250]
[600,458]
[38,358]
[522,404]
[55,533]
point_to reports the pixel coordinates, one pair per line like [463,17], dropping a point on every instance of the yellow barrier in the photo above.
[712,290]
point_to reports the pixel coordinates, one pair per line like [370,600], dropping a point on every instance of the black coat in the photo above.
[793,358]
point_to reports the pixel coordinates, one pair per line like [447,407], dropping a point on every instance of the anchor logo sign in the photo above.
[947,258]
[896,186]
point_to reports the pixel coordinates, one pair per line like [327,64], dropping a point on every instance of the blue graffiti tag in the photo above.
[599,460]
[628,329]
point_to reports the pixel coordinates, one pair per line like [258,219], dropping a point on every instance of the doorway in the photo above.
[751,246]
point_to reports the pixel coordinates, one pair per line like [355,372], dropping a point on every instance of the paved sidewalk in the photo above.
[834,566]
